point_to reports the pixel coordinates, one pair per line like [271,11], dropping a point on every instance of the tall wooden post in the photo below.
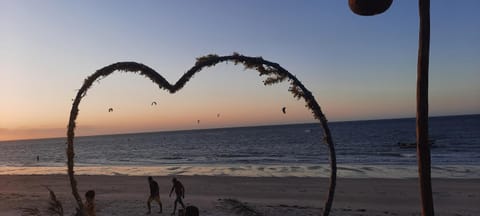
[423,147]
[371,8]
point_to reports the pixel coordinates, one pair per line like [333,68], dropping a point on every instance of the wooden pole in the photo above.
[423,147]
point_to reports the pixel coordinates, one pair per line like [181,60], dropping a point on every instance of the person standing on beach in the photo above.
[179,191]
[90,202]
[154,194]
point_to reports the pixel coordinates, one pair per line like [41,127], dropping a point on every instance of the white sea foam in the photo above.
[344,171]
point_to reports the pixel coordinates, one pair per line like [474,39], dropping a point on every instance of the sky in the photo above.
[356,67]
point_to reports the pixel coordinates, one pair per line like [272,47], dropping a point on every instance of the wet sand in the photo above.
[127,195]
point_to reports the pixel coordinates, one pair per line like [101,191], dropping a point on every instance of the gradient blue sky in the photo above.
[357,67]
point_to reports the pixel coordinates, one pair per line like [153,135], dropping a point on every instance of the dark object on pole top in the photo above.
[369,7]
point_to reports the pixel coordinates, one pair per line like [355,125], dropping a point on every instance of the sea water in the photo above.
[364,149]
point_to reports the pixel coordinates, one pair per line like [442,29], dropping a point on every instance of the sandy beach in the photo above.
[216,195]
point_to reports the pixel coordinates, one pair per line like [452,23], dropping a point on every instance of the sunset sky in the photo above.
[356,67]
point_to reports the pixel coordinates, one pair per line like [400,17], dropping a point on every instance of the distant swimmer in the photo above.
[154,103]
[110,109]
[284,110]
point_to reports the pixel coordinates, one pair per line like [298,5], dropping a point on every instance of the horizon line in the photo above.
[240,126]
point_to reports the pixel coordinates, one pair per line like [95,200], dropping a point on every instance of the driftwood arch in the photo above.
[274,72]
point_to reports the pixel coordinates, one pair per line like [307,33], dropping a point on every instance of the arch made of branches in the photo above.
[274,72]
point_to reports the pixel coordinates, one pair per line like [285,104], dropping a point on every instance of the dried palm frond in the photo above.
[30,212]
[240,208]
[55,207]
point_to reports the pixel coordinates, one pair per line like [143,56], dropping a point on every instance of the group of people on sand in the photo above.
[154,195]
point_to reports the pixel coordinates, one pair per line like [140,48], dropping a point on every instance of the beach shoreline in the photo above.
[254,170]
[126,195]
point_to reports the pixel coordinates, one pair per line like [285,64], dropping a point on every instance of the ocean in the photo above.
[374,148]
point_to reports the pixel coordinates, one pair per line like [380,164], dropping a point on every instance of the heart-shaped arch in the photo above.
[275,74]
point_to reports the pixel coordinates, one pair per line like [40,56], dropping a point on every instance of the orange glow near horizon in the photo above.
[115,122]
[131,114]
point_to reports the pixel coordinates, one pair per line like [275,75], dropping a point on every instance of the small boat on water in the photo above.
[413,144]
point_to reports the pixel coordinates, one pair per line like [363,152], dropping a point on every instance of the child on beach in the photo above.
[154,194]
[90,202]
[179,191]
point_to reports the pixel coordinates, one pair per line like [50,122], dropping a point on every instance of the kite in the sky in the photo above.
[110,110]
[218,115]
[284,110]
[198,121]
[154,103]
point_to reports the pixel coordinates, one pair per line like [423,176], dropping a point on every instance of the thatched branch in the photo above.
[273,71]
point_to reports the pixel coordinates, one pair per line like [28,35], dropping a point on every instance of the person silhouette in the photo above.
[90,202]
[179,192]
[154,194]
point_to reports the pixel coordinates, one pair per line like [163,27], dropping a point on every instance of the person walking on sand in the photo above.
[154,194]
[179,191]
